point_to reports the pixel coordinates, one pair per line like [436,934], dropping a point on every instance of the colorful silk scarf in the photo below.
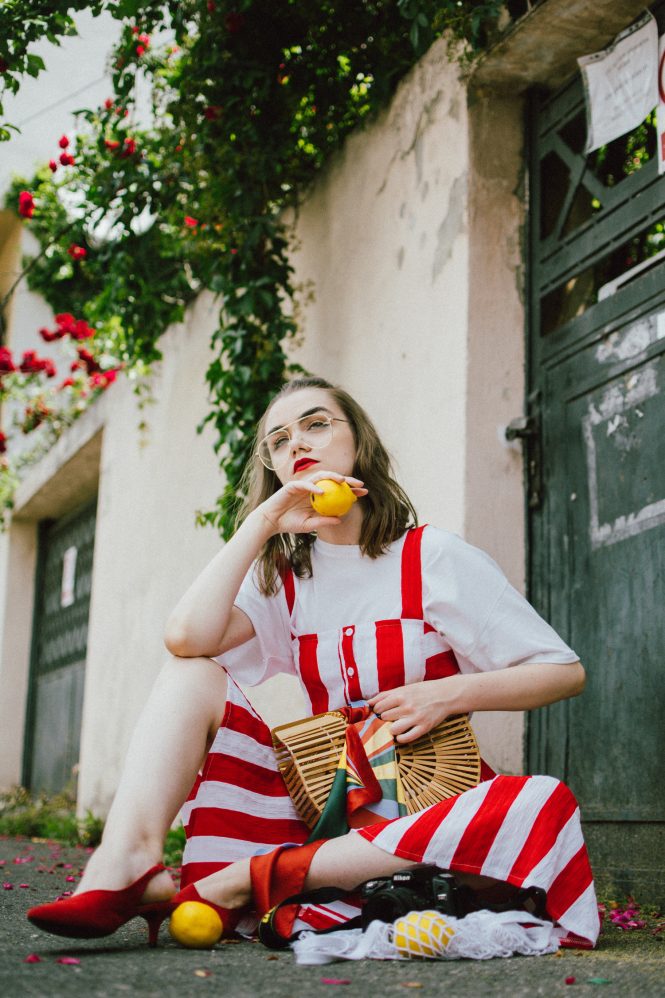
[367,787]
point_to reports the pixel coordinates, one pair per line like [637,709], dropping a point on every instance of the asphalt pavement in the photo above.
[35,964]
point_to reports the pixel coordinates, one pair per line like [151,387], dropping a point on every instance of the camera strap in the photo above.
[269,933]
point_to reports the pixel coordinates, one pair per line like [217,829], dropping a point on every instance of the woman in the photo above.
[414,621]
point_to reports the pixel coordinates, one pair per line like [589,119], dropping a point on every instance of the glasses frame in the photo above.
[331,419]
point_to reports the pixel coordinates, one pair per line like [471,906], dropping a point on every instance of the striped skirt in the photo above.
[521,829]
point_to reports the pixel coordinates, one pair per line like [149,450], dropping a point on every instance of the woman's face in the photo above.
[304,456]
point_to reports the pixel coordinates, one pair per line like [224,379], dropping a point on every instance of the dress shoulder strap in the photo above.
[289,588]
[412,579]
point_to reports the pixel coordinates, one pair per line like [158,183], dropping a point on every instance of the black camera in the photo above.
[424,887]
[418,888]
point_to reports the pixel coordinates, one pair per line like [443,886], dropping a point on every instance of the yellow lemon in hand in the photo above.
[196,925]
[337,498]
[422,933]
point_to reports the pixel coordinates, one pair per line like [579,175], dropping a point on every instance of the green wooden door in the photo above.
[597,509]
[60,636]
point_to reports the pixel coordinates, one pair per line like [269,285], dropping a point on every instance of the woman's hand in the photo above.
[289,511]
[417,708]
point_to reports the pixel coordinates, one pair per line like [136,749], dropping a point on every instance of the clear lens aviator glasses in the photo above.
[315,430]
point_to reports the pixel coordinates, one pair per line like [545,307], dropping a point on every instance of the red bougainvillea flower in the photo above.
[102,379]
[234,22]
[82,331]
[67,383]
[111,144]
[65,322]
[77,252]
[87,360]
[26,204]
[6,361]
[52,165]
[108,103]
[191,222]
[63,142]
[3,443]
[67,159]
[129,147]
[48,336]
[31,363]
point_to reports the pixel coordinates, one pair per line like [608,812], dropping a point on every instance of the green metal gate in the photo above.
[596,460]
[59,645]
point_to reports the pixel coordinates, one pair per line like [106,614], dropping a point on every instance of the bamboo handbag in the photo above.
[440,764]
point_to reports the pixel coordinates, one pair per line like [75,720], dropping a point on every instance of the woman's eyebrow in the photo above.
[307,412]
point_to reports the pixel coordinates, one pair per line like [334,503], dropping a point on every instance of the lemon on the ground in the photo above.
[422,933]
[337,498]
[196,925]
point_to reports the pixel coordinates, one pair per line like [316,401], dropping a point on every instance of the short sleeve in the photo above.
[269,651]
[488,624]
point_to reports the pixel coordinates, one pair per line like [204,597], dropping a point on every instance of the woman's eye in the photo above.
[317,424]
[277,443]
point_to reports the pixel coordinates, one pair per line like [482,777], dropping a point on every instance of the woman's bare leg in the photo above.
[169,744]
[344,862]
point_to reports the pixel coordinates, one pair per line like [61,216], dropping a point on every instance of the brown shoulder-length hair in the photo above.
[387,510]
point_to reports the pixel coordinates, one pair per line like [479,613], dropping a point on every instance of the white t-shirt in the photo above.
[466,598]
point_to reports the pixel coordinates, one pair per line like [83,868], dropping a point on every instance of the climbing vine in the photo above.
[249,99]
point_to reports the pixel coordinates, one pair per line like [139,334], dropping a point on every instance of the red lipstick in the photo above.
[303,462]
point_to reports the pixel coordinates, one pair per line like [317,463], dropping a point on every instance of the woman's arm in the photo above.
[205,621]
[418,707]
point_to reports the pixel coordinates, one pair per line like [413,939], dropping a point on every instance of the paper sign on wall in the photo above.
[68,586]
[621,83]
[660,116]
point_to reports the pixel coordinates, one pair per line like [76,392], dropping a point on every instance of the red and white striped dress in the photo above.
[521,829]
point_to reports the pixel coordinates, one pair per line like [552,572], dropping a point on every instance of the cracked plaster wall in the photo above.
[411,246]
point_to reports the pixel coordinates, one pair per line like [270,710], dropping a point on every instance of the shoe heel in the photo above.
[154,920]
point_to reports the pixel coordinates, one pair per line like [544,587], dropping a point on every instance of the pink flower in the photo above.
[68,960]
[24,885]
[63,142]
[140,49]
[7,887]
[32,958]
[26,204]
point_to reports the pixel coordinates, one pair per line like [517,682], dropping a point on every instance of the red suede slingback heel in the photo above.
[94,914]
